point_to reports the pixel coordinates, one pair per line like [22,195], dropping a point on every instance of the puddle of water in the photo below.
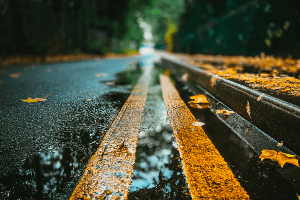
[157,173]
[130,76]
[261,180]
[53,174]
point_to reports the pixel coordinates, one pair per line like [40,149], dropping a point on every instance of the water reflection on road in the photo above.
[158,173]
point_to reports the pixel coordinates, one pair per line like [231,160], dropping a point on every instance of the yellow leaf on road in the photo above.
[279,157]
[100,74]
[200,98]
[15,75]
[30,100]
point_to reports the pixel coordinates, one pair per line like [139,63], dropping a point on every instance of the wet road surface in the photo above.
[45,146]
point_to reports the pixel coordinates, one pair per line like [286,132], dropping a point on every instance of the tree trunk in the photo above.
[60,22]
[17,26]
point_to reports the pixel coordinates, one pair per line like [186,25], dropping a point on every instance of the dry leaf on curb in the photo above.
[185,77]
[198,124]
[260,96]
[30,100]
[280,144]
[100,74]
[15,75]
[195,105]
[200,98]
[248,108]
[213,81]
[224,112]
[279,157]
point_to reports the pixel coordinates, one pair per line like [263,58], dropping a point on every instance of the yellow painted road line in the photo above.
[207,173]
[109,170]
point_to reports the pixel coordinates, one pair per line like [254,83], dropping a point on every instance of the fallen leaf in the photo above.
[224,112]
[30,100]
[260,96]
[198,124]
[213,81]
[246,130]
[279,157]
[100,74]
[15,75]
[185,77]
[88,99]
[200,98]
[248,108]
[280,144]
[1,82]
[200,106]
[110,83]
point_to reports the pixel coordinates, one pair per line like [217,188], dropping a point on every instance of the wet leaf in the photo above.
[200,98]
[200,106]
[224,112]
[280,144]
[213,81]
[100,74]
[185,77]
[30,100]
[88,99]
[279,157]
[198,124]
[248,108]
[110,83]
[260,96]
[15,75]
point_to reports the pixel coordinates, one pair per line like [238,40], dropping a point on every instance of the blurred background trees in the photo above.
[64,26]
[240,27]
[229,27]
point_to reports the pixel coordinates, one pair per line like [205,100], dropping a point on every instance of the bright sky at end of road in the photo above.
[147,30]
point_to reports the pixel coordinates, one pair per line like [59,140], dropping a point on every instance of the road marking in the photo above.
[206,170]
[109,170]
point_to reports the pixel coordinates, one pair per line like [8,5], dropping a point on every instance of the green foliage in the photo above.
[156,16]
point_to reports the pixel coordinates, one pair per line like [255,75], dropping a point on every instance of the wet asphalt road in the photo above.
[45,146]
[66,127]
